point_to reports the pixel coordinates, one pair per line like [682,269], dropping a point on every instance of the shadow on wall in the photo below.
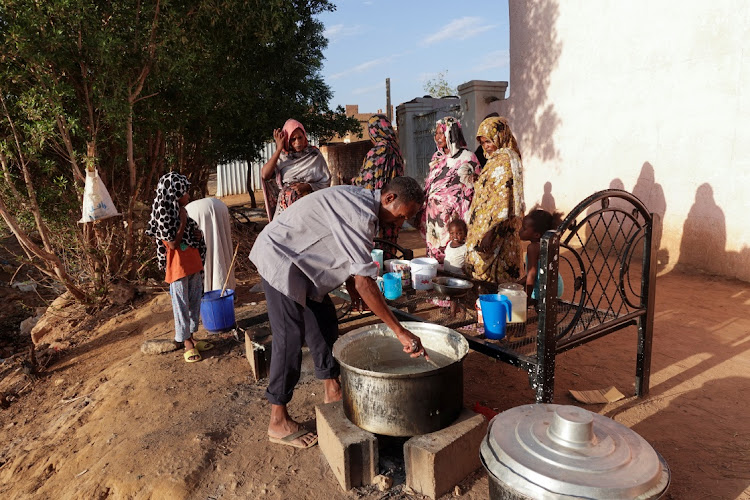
[704,234]
[548,201]
[534,43]
[704,238]
[651,194]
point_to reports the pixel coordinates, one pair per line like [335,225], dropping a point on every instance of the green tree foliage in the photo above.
[439,86]
[140,87]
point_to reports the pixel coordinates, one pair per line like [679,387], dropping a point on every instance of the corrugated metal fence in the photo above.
[231,178]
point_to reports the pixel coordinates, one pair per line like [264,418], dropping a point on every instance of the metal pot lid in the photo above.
[569,451]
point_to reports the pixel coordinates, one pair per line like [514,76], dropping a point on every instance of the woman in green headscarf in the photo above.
[493,246]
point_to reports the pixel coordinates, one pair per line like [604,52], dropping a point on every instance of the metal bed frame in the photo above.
[605,248]
[606,244]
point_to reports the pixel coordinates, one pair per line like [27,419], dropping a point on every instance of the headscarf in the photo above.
[497,129]
[165,217]
[384,161]
[288,129]
[454,138]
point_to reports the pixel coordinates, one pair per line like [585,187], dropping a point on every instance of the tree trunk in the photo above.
[250,187]
[54,266]
[8,178]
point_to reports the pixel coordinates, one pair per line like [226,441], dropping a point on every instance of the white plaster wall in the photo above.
[645,95]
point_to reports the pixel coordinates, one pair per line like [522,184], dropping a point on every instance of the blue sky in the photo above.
[411,41]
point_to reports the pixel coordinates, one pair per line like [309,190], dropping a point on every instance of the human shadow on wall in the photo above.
[615,183]
[704,235]
[548,201]
[533,115]
[651,194]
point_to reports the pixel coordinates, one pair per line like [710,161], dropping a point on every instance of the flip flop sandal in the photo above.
[202,345]
[290,439]
[194,354]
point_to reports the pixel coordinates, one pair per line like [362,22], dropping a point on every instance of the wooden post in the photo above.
[388,112]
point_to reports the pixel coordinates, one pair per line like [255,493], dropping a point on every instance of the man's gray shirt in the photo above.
[318,242]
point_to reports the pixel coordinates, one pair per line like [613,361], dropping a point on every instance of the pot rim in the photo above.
[415,327]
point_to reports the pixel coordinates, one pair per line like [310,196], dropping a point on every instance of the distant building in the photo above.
[353,110]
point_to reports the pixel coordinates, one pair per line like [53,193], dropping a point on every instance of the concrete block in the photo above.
[438,461]
[258,353]
[351,452]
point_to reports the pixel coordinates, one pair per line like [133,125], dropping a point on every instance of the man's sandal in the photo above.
[192,356]
[294,440]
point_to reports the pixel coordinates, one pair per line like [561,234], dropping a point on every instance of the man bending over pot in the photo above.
[321,241]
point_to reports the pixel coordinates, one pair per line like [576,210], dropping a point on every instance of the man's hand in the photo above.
[370,293]
[412,344]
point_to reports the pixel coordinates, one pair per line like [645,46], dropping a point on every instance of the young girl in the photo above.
[455,251]
[181,252]
[535,224]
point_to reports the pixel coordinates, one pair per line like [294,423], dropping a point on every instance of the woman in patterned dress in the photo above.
[449,187]
[382,163]
[493,244]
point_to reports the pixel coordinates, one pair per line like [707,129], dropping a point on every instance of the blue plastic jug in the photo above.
[496,310]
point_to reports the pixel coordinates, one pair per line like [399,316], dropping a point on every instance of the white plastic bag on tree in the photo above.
[97,204]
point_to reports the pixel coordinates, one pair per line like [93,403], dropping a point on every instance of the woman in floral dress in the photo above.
[493,246]
[449,187]
[382,163]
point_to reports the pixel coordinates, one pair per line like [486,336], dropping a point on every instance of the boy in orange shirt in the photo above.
[181,252]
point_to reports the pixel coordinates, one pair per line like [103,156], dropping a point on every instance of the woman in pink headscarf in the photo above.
[299,168]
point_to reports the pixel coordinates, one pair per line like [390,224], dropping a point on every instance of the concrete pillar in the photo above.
[476,97]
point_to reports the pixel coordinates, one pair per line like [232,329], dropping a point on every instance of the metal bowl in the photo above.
[451,287]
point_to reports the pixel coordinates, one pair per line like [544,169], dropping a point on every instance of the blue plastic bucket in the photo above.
[217,312]
[495,309]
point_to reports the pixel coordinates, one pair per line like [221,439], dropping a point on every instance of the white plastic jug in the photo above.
[517,296]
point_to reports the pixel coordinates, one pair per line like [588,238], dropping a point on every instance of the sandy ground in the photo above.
[104,420]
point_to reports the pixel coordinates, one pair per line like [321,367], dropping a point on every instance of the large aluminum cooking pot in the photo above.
[387,392]
[546,451]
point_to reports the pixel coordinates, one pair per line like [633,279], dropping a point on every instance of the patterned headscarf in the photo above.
[165,217]
[384,161]
[289,127]
[496,128]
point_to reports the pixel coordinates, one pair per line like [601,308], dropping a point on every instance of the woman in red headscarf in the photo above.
[299,168]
